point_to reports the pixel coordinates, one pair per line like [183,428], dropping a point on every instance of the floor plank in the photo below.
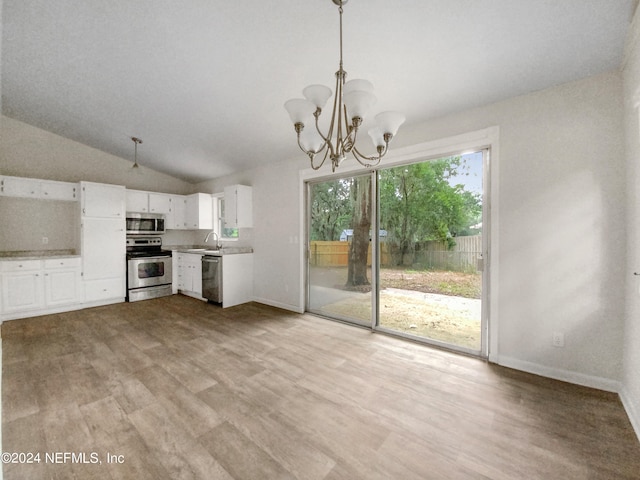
[181,389]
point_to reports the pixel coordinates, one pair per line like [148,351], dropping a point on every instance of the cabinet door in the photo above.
[238,206]
[177,216]
[60,190]
[196,278]
[137,201]
[22,291]
[102,200]
[159,203]
[103,248]
[200,211]
[19,187]
[61,286]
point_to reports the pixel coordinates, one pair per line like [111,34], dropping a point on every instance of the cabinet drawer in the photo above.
[62,262]
[103,289]
[20,265]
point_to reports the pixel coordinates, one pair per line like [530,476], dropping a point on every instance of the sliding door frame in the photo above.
[486,140]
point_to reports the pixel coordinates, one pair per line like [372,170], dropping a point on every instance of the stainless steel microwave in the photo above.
[145,223]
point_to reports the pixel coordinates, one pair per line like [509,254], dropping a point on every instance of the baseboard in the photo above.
[632,412]
[284,306]
[591,381]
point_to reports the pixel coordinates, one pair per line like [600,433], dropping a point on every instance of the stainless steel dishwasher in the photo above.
[212,278]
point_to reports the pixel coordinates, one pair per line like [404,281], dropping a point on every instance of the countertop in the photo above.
[207,249]
[37,254]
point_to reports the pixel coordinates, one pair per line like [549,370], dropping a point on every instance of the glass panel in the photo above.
[431,248]
[340,249]
[150,269]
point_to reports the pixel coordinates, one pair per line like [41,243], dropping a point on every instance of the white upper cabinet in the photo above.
[137,201]
[199,211]
[159,203]
[102,200]
[177,217]
[20,187]
[36,188]
[60,190]
[172,206]
[238,206]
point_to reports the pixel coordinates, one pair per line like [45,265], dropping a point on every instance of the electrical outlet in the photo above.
[558,339]
[45,240]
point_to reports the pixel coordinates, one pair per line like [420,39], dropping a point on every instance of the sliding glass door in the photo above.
[339,267]
[431,251]
[421,275]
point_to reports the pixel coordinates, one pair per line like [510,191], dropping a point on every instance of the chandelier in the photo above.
[351,102]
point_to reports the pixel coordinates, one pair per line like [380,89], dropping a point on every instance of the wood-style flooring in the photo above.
[174,388]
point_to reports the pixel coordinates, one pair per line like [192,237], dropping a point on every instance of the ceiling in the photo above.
[202,82]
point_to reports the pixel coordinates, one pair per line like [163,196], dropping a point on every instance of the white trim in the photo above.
[284,306]
[591,381]
[632,411]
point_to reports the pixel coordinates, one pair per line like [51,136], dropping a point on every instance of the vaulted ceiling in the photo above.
[202,82]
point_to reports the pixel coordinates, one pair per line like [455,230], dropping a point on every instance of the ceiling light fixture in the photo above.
[136,141]
[351,101]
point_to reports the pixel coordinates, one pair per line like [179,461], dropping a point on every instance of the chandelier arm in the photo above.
[312,154]
[327,138]
[326,154]
[363,159]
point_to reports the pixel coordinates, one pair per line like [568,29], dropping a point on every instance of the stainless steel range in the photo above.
[149,269]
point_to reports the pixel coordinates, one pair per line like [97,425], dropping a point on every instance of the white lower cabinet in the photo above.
[189,278]
[22,286]
[103,289]
[237,279]
[62,281]
[35,287]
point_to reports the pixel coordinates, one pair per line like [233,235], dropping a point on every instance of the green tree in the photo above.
[419,203]
[330,209]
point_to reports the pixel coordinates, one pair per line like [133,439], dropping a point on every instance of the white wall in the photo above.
[631,77]
[561,228]
[275,236]
[27,151]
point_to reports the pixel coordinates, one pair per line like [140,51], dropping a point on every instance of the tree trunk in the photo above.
[361,224]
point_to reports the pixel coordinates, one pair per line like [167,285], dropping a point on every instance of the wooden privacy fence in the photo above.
[463,256]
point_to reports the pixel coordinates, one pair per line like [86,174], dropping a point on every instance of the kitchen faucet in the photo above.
[212,232]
